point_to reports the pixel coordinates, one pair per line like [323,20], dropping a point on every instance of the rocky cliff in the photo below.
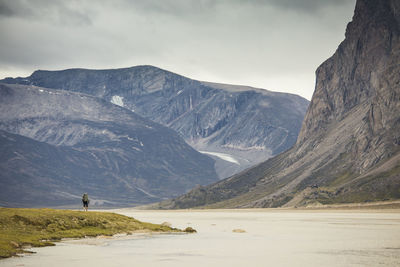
[239,126]
[348,149]
[56,144]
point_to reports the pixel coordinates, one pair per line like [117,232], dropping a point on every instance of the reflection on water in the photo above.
[269,238]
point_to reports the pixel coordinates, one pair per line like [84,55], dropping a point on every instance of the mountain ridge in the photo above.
[250,125]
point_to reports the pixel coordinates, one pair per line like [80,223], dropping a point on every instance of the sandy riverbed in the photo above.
[240,238]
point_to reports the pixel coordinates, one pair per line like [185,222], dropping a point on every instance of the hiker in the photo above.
[85,201]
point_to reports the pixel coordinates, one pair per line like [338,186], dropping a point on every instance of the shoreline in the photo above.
[378,207]
[22,228]
[104,239]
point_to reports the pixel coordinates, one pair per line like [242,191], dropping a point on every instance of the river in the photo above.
[239,238]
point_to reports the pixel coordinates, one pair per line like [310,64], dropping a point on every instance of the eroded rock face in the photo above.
[348,147]
[363,71]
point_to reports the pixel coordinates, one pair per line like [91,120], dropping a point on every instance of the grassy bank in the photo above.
[20,228]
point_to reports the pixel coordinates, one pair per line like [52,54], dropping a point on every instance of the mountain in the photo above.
[237,125]
[56,144]
[348,149]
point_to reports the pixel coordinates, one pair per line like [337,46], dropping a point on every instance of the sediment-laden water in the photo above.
[239,238]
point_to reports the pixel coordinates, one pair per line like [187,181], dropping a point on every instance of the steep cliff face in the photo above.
[57,144]
[363,72]
[247,124]
[348,147]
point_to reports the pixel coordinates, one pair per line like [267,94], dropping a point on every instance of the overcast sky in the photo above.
[271,44]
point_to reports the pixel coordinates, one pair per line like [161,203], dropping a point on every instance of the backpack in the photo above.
[85,197]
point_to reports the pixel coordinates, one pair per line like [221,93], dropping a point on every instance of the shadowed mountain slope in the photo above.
[58,144]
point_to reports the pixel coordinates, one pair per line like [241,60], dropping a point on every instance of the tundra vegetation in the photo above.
[24,228]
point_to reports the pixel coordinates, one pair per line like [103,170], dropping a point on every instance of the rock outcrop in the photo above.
[348,149]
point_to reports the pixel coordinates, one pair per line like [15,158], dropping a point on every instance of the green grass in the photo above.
[41,227]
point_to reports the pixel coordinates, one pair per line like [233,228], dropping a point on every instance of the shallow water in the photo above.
[271,238]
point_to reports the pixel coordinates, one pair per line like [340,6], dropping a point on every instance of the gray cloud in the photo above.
[184,8]
[301,5]
[174,7]
[55,11]
[271,44]
[5,10]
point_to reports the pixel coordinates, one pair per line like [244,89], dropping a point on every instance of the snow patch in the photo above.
[117,100]
[222,156]
[41,90]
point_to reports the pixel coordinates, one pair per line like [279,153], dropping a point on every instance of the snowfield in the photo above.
[223,156]
[117,100]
